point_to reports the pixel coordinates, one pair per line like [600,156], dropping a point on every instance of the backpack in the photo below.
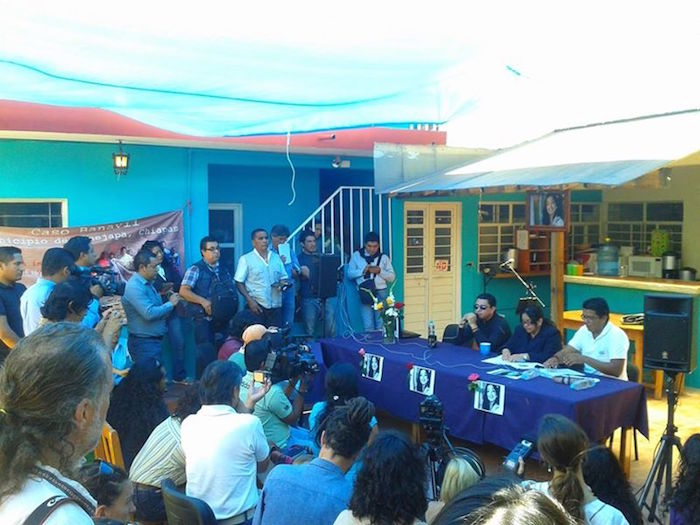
[224,301]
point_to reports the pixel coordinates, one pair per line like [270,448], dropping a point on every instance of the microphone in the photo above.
[507,264]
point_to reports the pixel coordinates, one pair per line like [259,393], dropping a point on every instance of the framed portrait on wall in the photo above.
[548,210]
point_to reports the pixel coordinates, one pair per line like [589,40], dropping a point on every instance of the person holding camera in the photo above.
[212,299]
[262,279]
[168,280]
[280,409]
[83,253]
[146,314]
[371,270]
[279,234]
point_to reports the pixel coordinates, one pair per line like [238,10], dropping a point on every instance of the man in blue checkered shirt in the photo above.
[196,290]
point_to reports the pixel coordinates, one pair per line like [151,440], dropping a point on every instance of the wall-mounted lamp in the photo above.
[120,161]
[340,163]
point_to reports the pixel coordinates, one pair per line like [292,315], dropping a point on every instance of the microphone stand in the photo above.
[529,287]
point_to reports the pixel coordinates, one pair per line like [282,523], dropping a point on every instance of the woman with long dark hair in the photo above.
[603,473]
[534,339]
[553,211]
[340,387]
[391,485]
[685,505]
[563,445]
[137,406]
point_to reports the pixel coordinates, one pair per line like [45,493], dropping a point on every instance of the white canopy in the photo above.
[607,154]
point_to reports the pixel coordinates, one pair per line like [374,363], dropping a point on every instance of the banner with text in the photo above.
[107,240]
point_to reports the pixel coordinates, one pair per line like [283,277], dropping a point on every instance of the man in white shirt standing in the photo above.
[261,279]
[224,448]
[599,345]
[55,268]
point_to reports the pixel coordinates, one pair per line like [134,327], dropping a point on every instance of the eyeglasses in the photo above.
[481,306]
[589,317]
[526,322]
[212,249]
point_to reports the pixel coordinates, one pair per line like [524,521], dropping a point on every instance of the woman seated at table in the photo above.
[535,339]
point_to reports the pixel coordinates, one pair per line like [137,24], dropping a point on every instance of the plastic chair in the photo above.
[109,447]
[633,377]
[185,510]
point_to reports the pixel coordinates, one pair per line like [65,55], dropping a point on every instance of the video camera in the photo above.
[282,359]
[108,280]
[432,420]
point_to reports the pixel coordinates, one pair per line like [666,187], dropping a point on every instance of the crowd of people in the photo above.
[236,440]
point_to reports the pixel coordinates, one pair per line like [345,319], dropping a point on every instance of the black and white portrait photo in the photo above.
[372,366]
[490,397]
[422,380]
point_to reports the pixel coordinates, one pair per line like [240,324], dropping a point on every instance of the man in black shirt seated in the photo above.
[484,325]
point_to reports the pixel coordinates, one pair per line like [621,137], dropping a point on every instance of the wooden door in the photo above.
[432,263]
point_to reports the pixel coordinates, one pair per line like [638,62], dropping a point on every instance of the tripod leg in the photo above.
[655,467]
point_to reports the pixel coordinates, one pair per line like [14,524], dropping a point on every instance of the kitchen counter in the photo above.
[637,283]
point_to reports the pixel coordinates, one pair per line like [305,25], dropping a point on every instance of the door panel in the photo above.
[432,265]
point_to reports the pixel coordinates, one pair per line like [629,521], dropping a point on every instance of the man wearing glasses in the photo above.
[484,325]
[600,346]
[200,279]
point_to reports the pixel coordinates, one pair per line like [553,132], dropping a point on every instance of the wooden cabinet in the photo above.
[534,252]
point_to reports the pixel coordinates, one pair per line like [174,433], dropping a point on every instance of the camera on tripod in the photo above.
[432,420]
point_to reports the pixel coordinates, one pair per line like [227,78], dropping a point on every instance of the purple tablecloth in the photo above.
[599,410]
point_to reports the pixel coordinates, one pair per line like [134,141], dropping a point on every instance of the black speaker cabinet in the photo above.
[668,333]
[328,266]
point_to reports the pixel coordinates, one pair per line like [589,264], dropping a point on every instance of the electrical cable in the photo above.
[294,172]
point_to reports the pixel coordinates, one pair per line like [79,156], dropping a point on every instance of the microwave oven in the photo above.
[644,266]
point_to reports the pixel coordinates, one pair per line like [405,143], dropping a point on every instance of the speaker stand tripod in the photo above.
[662,466]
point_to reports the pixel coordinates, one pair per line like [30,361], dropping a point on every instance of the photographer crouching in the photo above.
[290,368]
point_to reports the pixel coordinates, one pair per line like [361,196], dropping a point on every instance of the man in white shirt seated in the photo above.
[224,448]
[599,345]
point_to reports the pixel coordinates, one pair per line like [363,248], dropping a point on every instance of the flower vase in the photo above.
[389,331]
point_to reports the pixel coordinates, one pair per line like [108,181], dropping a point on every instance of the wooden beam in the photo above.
[557,277]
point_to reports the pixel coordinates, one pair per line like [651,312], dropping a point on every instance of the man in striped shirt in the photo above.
[162,457]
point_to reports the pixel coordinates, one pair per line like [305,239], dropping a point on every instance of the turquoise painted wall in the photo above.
[265,204]
[626,301]
[160,179]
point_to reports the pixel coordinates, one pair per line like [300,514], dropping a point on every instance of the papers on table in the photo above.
[522,365]
[544,372]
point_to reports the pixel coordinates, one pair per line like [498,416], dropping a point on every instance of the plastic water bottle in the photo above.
[432,338]
[608,259]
